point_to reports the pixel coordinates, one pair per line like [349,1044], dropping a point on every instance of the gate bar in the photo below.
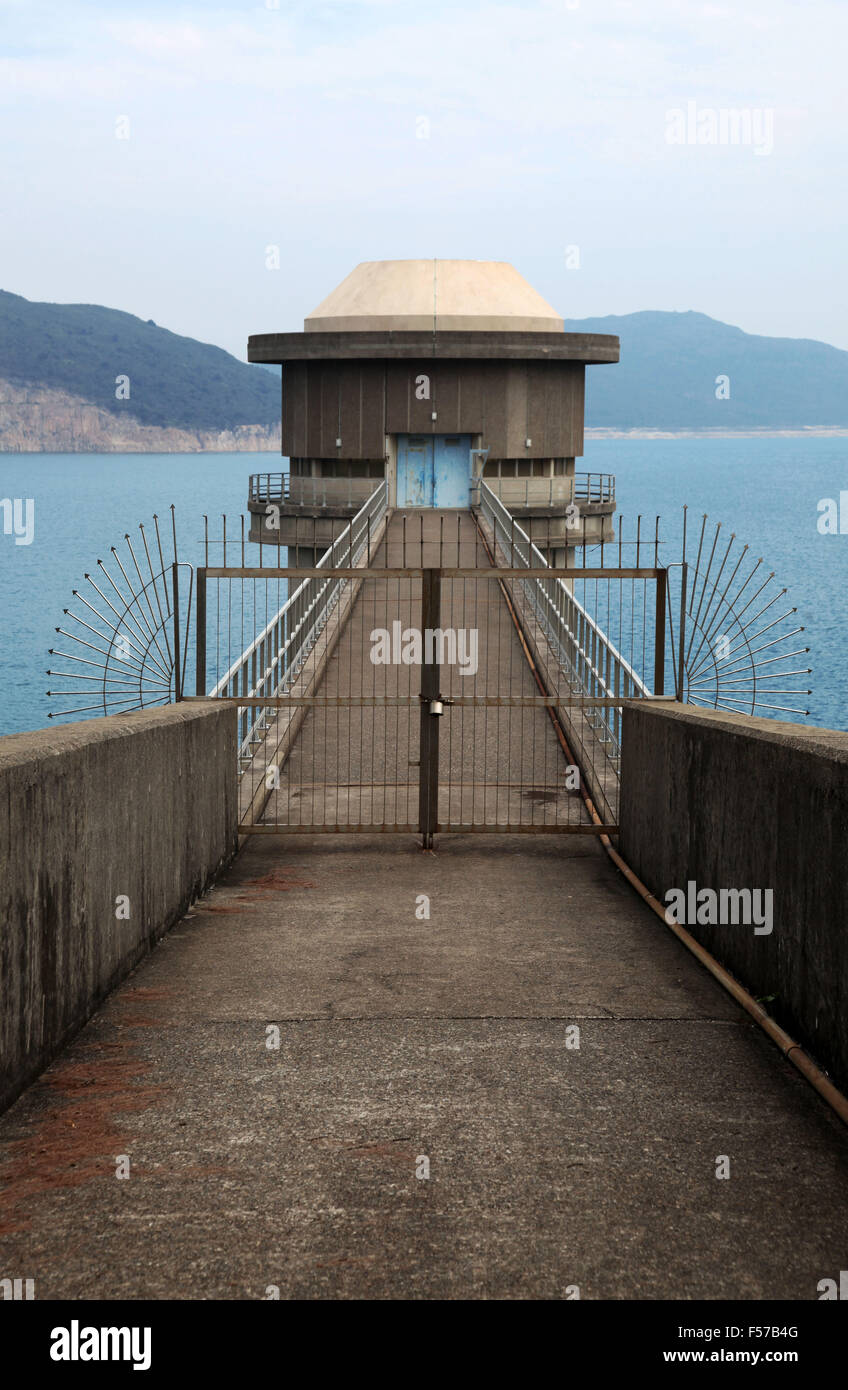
[200,623]
[416,572]
[178,693]
[684,574]
[659,632]
[428,771]
[504,701]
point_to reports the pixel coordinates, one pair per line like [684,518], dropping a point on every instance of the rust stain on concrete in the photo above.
[254,890]
[77,1130]
[279,880]
[77,1135]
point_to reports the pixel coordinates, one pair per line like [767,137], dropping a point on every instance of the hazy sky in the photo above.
[369,129]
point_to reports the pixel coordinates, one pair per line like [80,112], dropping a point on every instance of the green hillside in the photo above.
[666,378]
[669,363]
[174,382]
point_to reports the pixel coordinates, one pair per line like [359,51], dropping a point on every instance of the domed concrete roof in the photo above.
[458,296]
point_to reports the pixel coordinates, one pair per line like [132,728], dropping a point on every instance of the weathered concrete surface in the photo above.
[142,806]
[400,1038]
[731,801]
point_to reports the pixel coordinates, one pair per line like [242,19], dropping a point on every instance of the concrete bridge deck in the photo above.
[549,1166]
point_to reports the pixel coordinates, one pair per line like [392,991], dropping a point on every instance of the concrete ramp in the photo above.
[538,1044]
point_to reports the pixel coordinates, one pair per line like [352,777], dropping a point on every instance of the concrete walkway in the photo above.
[401,1038]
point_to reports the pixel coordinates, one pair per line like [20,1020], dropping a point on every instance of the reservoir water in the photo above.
[767,490]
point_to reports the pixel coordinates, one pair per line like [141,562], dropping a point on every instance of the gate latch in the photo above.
[437,706]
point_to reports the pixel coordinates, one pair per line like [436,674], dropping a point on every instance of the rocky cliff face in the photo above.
[37,420]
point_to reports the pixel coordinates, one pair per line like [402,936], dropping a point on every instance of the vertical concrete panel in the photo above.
[496,407]
[420,412]
[397,397]
[537,410]
[324,419]
[447,398]
[471,397]
[294,387]
[372,406]
[578,409]
[349,428]
[517,408]
[558,388]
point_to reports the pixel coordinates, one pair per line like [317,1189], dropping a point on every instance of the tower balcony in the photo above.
[296,509]
[307,511]
[543,506]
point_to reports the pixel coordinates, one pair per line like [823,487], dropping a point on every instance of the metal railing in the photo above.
[592,663]
[276,655]
[281,488]
[552,492]
[533,492]
[268,487]
[594,487]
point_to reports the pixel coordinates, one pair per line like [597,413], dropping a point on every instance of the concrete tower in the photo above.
[429,373]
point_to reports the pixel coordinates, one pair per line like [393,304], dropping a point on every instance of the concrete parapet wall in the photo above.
[729,801]
[140,806]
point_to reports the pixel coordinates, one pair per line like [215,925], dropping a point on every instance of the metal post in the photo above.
[200,673]
[659,633]
[684,572]
[428,765]
[178,694]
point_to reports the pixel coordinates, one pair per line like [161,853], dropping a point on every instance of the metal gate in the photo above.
[430,698]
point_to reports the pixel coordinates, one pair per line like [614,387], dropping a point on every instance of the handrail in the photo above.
[268,487]
[277,487]
[281,488]
[584,650]
[594,487]
[276,654]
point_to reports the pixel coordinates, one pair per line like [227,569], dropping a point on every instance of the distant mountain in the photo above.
[60,366]
[666,378]
[70,356]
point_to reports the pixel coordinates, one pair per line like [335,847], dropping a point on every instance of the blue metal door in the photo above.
[415,470]
[451,469]
[433,470]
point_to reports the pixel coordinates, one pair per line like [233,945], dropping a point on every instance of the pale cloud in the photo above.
[252,125]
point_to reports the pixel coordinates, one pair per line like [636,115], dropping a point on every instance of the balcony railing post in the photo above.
[178,693]
[659,632]
[200,659]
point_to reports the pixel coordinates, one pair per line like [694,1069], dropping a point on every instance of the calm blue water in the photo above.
[85,503]
[766,490]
